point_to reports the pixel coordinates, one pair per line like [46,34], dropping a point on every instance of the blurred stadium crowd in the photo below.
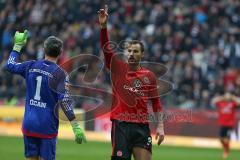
[197,40]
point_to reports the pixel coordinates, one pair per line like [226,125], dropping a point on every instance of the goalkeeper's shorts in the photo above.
[43,147]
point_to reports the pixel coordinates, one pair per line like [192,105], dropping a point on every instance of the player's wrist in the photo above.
[17,48]
[76,128]
[103,26]
[74,124]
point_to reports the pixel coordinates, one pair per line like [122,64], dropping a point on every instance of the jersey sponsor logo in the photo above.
[38,103]
[133,89]
[136,89]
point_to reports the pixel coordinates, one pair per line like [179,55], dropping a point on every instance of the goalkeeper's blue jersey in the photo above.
[46,87]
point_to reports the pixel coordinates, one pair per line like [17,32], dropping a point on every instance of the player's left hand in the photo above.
[79,133]
[20,39]
[159,135]
[80,136]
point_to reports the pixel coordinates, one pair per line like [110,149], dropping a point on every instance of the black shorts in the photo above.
[225,132]
[126,135]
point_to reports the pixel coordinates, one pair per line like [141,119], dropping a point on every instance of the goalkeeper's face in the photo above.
[134,53]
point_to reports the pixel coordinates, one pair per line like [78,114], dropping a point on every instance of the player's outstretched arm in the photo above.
[20,40]
[105,45]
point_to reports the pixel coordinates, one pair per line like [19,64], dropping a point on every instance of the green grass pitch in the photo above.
[11,148]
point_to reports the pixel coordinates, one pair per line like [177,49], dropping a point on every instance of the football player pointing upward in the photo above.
[133,86]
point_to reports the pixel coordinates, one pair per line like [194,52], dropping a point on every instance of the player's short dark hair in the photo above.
[137,42]
[53,46]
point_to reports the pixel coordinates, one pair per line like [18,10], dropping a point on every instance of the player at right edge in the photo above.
[227,107]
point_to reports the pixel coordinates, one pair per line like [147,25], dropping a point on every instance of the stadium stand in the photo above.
[197,40]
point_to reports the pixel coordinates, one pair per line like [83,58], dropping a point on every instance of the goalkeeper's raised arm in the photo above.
[12,65]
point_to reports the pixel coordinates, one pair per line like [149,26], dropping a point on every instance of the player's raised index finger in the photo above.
[106,8]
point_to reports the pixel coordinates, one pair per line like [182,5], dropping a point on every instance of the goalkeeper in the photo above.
[46,88]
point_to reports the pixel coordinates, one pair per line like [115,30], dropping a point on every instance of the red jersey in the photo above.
[132,89]
[227,113]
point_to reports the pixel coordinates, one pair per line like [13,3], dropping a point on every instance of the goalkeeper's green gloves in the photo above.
[20,39]
[78,132]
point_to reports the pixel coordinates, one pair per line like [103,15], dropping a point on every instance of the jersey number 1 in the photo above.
[38,88]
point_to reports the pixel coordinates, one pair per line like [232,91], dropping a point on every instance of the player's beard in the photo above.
[131,60]
[133,63]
